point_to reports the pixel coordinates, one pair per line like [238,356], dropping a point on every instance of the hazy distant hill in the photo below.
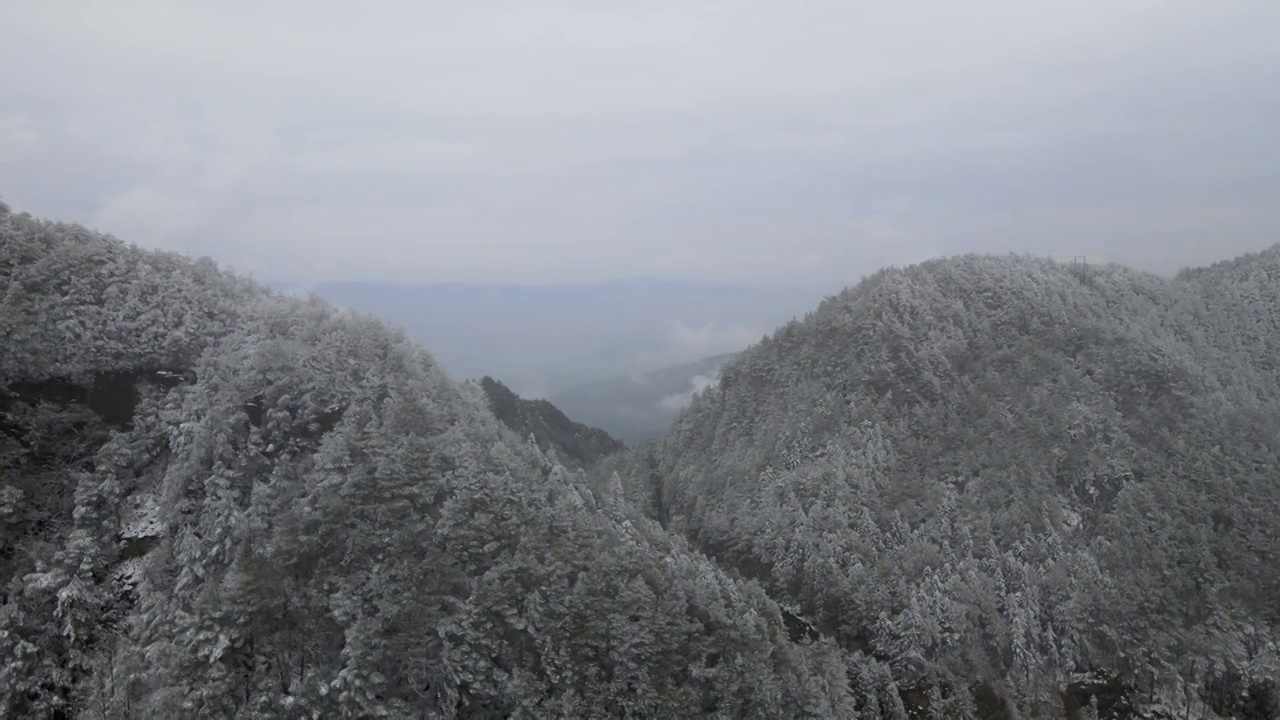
[541,339]
[639,407]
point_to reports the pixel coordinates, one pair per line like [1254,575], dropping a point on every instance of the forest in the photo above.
[976,487]
[579,445]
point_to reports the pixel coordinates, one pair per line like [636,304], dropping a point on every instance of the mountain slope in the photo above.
[551,429]
[215,502]
[996,476]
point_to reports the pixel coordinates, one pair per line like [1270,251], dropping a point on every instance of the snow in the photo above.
[141,521]
[129,572]
[142,518]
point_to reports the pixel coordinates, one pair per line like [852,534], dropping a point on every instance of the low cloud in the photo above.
[679,401]
[18,137]
[424,142]
[685,343]
[708,340]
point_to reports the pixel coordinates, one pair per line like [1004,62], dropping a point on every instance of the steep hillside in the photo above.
[639,408]
[215,502]
[573,442]
[997,475]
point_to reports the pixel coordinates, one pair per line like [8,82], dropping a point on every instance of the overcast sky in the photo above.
[577,141]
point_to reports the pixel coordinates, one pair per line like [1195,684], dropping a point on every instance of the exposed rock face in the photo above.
[112,396]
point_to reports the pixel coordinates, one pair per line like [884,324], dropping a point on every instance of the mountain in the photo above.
[640,407]
[974,487]
[220,502]
[552,431]
[571,334]
[1016,484]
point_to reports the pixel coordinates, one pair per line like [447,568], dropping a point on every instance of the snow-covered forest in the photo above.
[1018,483]
[979,487]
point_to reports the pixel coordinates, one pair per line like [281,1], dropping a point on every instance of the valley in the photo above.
[979,486]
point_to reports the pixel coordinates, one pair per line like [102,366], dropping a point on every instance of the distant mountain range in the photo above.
[543,339]
[638,408]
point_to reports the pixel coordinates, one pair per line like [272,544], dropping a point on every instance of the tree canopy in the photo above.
[997,477]
[218,502]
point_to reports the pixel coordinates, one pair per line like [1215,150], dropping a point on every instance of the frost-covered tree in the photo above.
[216,502]
[988,473]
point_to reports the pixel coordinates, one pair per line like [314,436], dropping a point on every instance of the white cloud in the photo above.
[683,343]
[754,140]
[18,137]
[795,141]
[386,154]
[679,401]
[695,343]
[195,181]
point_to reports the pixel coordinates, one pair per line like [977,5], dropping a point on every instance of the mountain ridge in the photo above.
[972,487]
[550,429]
[217,501]
[930,447]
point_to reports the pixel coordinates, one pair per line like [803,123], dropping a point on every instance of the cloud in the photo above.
[577,58]
[756,141]
[683,344]
[153,174]
[709,339]
[18,137]
[394,154]
[679,401]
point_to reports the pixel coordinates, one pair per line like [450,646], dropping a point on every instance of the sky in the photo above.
[799,142]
